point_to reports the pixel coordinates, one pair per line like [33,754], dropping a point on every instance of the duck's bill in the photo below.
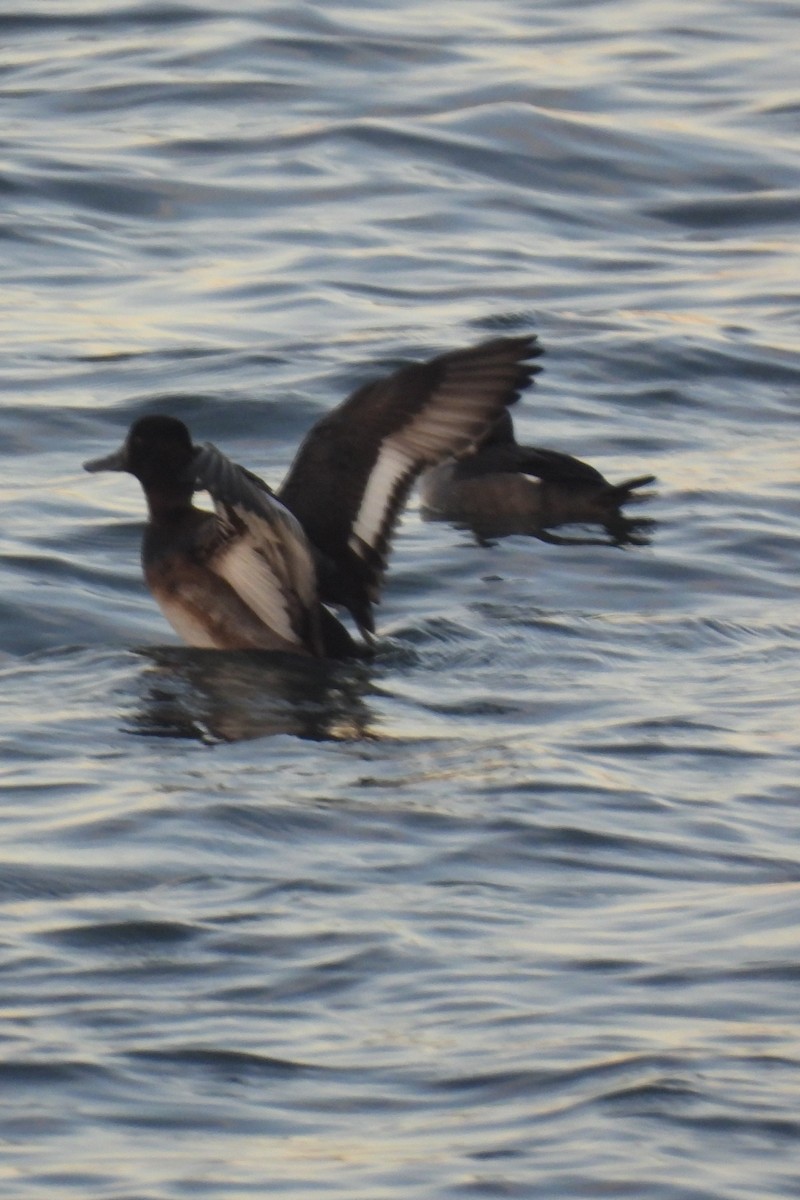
[110,462]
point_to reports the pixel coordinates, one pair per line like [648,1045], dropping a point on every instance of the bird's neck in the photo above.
[167,505]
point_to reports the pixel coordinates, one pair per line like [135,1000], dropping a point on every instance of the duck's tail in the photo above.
[623,493]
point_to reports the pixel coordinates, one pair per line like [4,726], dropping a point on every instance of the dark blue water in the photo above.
[515,911]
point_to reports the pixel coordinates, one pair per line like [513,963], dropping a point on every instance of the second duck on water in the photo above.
[506,488]
[260,571]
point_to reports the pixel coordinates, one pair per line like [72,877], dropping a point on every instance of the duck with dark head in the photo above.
[261,570]
[505,488]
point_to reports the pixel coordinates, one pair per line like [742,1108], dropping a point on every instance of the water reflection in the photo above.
[617,529]
[214,696]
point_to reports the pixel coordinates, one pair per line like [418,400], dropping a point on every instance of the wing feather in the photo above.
[261,549]
[352,474]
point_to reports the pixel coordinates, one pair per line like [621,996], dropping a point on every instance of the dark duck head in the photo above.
[158,451]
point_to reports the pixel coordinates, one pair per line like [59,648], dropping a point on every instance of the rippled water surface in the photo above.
[514,910]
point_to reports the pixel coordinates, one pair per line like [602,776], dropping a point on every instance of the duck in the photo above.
[505,488]
[264,570]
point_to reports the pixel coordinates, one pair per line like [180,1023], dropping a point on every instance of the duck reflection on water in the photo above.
[230,696]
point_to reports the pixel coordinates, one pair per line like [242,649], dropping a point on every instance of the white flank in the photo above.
[257,583]
[193,632]
[298,567]
[391,466]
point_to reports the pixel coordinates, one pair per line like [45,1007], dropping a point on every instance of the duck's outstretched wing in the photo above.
[260,549]
[353,472]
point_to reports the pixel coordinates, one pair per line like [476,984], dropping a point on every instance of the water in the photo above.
[513,911]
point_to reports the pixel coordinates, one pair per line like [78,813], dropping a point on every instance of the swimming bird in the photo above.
[260,571]
[507,488]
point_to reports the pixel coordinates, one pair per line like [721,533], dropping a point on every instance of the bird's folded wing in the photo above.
[552,466]
[260,548]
